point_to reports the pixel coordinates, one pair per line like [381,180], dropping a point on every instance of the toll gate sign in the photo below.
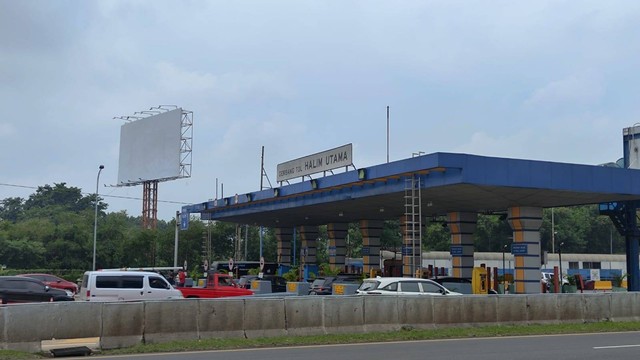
[519,249]
[455,250]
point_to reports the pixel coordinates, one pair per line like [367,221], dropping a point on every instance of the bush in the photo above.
[571,279]
[617,280]
[292,274]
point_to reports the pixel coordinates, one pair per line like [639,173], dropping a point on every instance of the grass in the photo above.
[405,334]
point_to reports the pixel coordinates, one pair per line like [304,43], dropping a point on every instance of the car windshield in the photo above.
[245,280]
[368,285]
[318,282]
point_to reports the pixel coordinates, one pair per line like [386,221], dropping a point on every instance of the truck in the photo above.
[217,285]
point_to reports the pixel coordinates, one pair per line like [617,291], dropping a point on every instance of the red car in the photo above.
[54,282]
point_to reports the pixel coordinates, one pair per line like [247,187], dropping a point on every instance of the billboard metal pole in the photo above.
[175,246]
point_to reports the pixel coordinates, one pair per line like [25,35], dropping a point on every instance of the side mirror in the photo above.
[46,288]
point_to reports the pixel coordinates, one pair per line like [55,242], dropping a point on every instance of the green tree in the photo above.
[436,236]
[11,209]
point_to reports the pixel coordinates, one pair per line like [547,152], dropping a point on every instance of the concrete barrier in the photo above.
[381,313]
[416,311]
[479,309]
[572,308]
[298,288]
[170,320]
[344,289]
[448,310]
[122,324]
[303,315]
[543,308]
[596,308]
[511,309]
[264,317]
[261,286]
[29,324]
[625,306]
[220,318]
[343,314]
[3,326]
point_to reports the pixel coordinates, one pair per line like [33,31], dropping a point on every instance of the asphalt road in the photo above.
[584,347]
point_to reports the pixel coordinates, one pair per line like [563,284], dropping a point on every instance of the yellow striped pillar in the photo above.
[337,233]
[308,236]
[526,222]
[284,236]
[462,225]
[371,231]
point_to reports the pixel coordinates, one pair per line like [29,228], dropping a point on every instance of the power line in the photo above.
[102,195]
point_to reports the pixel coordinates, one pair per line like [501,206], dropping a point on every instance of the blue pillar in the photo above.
[632,248]
[294,254]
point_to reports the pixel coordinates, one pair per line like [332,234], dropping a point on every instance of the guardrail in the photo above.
[123,324]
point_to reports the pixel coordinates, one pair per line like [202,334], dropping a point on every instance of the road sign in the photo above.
[206,265]
[230,264]
[261,263]
[184,221]
[519,249]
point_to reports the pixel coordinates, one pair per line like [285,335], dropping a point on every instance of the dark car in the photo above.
[278,283]
[460,285]
[324,285]
[54,282]
[456,284]
[18,289]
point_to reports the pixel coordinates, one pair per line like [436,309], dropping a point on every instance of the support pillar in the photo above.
[462,225]
[337,244]
[526,222]
[411,252]
[631,246]
[371,231]
[284,236]
[308,236]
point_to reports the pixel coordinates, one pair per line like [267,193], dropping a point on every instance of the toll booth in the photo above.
[479,281]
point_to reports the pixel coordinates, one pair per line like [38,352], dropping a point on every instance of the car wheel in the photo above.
[313,293]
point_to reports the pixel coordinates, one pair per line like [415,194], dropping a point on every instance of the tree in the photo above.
[11,209]
[67,198]
[436,236]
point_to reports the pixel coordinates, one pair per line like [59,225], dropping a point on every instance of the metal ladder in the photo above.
[413,222]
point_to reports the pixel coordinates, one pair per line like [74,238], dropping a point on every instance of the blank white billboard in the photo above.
[150,148]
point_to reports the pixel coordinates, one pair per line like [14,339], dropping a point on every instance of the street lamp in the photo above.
[560,261]
[95,222]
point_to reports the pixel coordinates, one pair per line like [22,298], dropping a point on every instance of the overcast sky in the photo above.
[544,80]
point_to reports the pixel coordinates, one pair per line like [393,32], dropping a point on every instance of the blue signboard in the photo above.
[519,249]
[407,250]
[184,221]
[456,250]
[364,251]
[332,251]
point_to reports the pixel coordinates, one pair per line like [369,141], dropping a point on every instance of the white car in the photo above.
[106,285]
[547,279]
[402,286]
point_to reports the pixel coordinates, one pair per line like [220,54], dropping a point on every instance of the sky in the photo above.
[541,80]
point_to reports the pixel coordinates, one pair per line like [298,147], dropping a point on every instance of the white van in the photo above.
[126,285]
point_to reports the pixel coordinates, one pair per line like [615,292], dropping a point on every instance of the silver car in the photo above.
[402,286]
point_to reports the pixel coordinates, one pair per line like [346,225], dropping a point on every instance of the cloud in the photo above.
[6,130]
[227,87]
[573,90]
